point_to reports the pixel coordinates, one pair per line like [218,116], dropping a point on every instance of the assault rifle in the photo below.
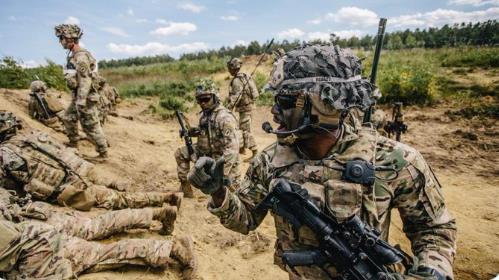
[374,70]
[41,102]
[238,99]
[184,132]
[351,247]
[396,125]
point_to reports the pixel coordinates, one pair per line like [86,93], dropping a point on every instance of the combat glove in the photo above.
[207,174]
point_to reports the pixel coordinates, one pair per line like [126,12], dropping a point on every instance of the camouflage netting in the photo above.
[206,86]
[68,31]
[37,86]
[327,69]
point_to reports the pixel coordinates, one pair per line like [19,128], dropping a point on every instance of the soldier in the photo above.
[39,165]
[18,209]
[242,95]
[315,87]
[109,98]
[45,107]
[61,249]
[217,137]
[80,77]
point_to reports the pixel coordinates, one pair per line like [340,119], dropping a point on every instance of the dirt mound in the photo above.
[463,152]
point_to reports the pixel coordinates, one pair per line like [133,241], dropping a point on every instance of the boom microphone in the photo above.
[267,127]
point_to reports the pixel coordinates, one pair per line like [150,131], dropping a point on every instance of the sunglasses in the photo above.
[286,101]
[203,99]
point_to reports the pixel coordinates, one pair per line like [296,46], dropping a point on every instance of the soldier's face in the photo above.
[233,71]
[205,102]
[66,43]
[286,114]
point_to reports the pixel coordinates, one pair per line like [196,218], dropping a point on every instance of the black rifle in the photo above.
[238,99]
[41,102]
[351,247]
[396,125]
[184,132]
[374,69]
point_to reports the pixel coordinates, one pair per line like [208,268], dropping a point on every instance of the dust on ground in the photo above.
[463,153]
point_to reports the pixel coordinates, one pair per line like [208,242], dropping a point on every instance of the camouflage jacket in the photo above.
[218,137]
[81,81]
[39,165]
[242,87]
[412,189]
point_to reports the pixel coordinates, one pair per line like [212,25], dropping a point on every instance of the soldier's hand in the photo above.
[203,176]
[194,132]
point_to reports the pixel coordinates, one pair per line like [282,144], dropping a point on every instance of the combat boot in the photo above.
[183,252]
[167,216]
[174,199]
[186,188]
[103,155]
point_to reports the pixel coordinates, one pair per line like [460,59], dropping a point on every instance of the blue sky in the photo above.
[118,29]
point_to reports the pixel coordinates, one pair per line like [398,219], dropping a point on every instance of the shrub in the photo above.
[173,103]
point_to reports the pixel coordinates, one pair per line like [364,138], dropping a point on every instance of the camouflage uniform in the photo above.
[81,74]
[218,137]
[39,165]
[243,90]
[323,83]
[54,114]
[42,251]
[108,98]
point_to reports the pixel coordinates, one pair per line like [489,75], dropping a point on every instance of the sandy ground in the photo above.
[463,153]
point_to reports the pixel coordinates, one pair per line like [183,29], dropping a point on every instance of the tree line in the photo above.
[464,34]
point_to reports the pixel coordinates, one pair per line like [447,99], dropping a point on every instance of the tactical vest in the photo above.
[211,136]
[248,96]
[48,164]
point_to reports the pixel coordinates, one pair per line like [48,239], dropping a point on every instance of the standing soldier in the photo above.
[217,137]
[80,73]
[349,171]
[44,107]
[242,95]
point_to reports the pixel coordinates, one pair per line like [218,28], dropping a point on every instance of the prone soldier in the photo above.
[45,107]
[80,74]
[61,246]
[348,170]
[216,137]
[39,165]
[242,95]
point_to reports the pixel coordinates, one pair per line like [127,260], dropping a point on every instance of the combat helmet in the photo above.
[324,81]
[38,86]
[68,31]
[206,87]
[234,63]
[8,124]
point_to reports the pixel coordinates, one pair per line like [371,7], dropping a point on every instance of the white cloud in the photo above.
[292,33]
[323,36]
[130,12]
[161,21]
[354,16]
[475,3]
[153,48]
[72,20]
[229,18]
[12,18]
[175,28]
[240,43]
[30,64]
[440,17]
[347,34]
[191,7]
[116,31]
[141,20]
[315,21]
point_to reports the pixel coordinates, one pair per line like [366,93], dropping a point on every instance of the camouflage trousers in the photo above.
[245,126]
[184,165]
[89,120]
[104,197]
[49,253]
